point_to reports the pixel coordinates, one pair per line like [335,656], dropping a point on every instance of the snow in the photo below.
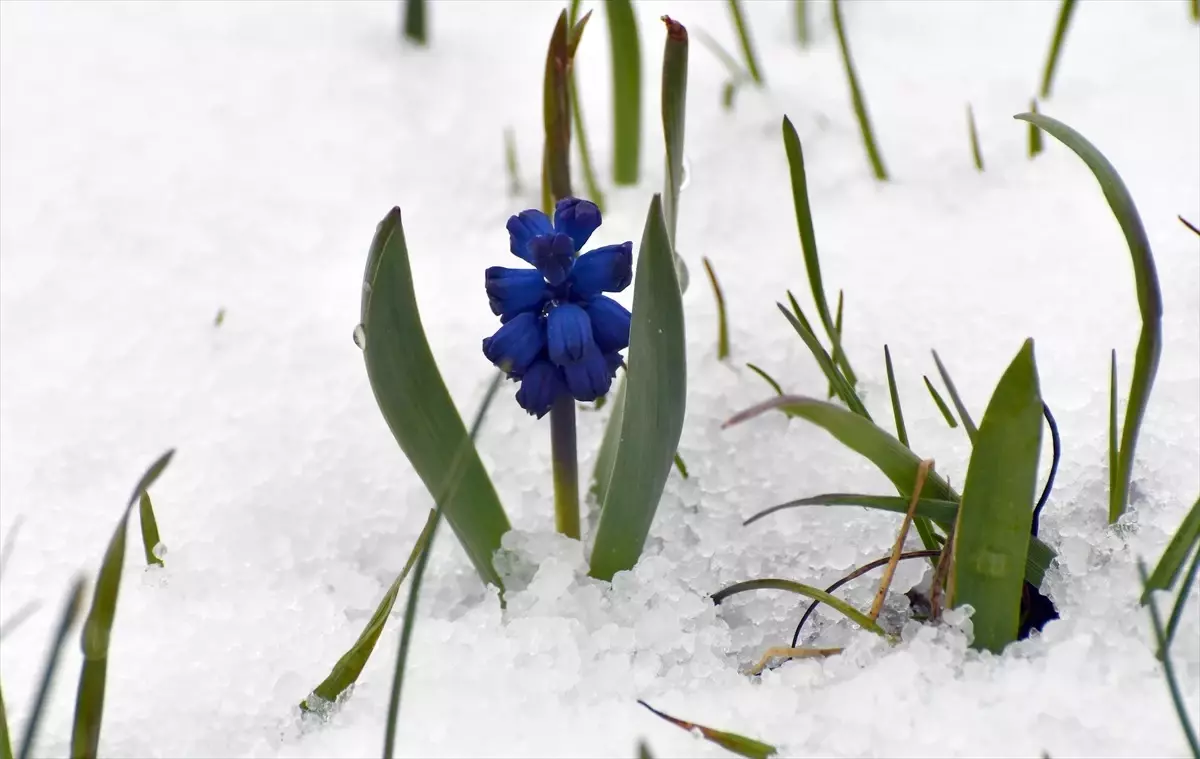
[163,162]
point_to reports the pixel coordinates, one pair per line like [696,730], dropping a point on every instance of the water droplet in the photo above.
[159,550]
[360,337]
[687,174]
[366,287]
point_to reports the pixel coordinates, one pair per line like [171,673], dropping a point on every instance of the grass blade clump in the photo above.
[856,97]
[1060,34]
[345,673]
[1149,348]
[1185,540]
[654,402]
[743,32]
[941,404]
[737,744]
[955,398]
[627,91]
[976,153]
[414,399]
[1160,636]
[414,21]
[674,121]
[150,539]
[97,630]
[722,323]
[808,242]
[996,512]
[66,621]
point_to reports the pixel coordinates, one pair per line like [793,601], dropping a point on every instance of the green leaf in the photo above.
[1169,670]
[888,454]
[556,115]
[414,400]
[644,750]
[626,60]
[743,32]
[652,418]
[1185,539]
[722,320]
[808,242]
[941,404]
[801,9]
[681,466]
[901,430]
[1114,452]
[6,751]
[674,121]
[976,153]
[606,457]
[1149,348]
[97,630]
[996,511]
[345,673]
[66,621]
[837,327]
[840,384]
[771,583]
[766,378]
[1060,33]
[510,162]
[1181,600]
[737,744]
[938,510]
[414,21]
[956,399]
[1035,134]
[150,538]
[856,97]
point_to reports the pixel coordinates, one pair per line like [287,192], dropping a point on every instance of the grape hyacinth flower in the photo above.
[559,335]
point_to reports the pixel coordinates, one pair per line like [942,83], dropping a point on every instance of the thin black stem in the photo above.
[1057,444]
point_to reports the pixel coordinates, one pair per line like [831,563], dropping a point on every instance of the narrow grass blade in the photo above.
[674,121]
[837,327]
[766,378]
[606,457]
[860,106]
[1035,134]
[722,322]
[414,400]
[97,630]
[446,492]
[1149,348]
[345,673]
[414,21]
[808,241]
[892,458]
[66,621]
[1185,720]
[595,194]
[643,750]
[956,399]
[681,466]
[1114,457]
[801,10]
[627,90]
[1189,224]
[976,153]
[1185,592]
[655,398]
[844,390]
[737,744]
[1060,34]
[932,508]
[1183,542]
[941,404]
[901,430]
[996,513]
[556,114]
[770,583]
[150,538]
[743,32]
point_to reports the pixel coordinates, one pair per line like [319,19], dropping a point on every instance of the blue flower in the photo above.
[559,334]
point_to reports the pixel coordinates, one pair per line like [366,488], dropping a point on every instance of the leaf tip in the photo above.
[675,30]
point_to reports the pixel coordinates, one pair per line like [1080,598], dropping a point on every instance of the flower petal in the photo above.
[610,323]
[512,291]
[577,219]
[568,334]
[516,344]
[590,378]
[542,383]
[525,226]
[607,269]
[554,256]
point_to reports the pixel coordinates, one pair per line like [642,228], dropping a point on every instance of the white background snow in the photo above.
[163,161]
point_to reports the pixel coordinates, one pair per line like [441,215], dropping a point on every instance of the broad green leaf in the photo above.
[1060,33]
[841,384]
[414,400]
[1177,699]
[722,322]
[771,583]
[996,511]
[955,398]
[674,121]
[1149,348]
[654,403]
[1185,539]
[150,537]
[808,242]
[66,621]
[743,33]
[888,454]
[894,394]
[856,96]
[345,673]
[626,57]
[941,404]
[97,630]
[938,510]
[737,744]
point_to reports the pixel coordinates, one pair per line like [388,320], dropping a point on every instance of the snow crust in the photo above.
[162,162]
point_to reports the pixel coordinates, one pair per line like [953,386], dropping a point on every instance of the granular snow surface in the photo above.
[163,162]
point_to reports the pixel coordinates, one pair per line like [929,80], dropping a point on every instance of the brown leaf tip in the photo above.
[675,30]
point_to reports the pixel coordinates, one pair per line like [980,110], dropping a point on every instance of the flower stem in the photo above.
[566,466]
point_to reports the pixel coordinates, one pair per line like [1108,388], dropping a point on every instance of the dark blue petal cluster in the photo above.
[558,333]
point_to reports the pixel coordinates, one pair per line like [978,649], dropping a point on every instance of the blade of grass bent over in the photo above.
[1149,348]
[722,323]
[856,97]
[771,583]
[956,399]
[453,481]
[737,744]
[66,621]
[996,512]
[655,398]
[743,32]
[97,629]
[150,538]
[766,378]
[1060,34]
[626,90]
[1185,539]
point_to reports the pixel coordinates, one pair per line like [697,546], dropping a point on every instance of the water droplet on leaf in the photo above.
[159,550]
[360,336]
[687,174]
